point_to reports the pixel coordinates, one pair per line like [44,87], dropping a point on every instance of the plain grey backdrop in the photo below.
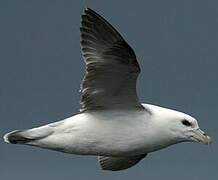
[176,42]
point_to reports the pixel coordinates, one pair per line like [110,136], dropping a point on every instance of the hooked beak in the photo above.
[200,136]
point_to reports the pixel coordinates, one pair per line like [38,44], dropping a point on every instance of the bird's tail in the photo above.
[27,136]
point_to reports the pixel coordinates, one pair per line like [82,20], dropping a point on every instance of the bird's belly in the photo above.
[86,141]
[110,142]
[109,146]
[108,138]
[101,145]
[107,143]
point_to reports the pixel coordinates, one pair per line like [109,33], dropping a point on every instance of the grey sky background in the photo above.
[41,68]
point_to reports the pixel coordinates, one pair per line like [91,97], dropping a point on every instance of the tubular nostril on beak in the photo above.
[201,136]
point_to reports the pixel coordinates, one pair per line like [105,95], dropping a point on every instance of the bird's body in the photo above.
[111,133]
[108,133]
[105,133]
[112,123]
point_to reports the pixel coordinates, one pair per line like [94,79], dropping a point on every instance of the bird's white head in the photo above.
[179,126]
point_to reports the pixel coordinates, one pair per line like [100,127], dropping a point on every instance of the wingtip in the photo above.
[87,9]
[91,11]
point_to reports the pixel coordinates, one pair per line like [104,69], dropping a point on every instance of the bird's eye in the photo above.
[186,123]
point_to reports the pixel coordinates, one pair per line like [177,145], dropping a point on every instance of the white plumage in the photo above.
[112,124]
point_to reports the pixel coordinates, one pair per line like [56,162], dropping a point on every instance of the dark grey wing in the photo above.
[119,163]
[111,66]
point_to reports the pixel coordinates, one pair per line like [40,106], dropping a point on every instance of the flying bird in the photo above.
[112,124]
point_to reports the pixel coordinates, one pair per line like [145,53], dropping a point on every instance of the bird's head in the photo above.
[180,126]
[187,129]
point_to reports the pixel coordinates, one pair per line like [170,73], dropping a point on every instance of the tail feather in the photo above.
[26,136]
[16,137]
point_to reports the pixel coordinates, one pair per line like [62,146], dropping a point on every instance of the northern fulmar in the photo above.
[112,124]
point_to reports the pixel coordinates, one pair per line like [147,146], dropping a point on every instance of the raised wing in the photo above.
[111,66]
